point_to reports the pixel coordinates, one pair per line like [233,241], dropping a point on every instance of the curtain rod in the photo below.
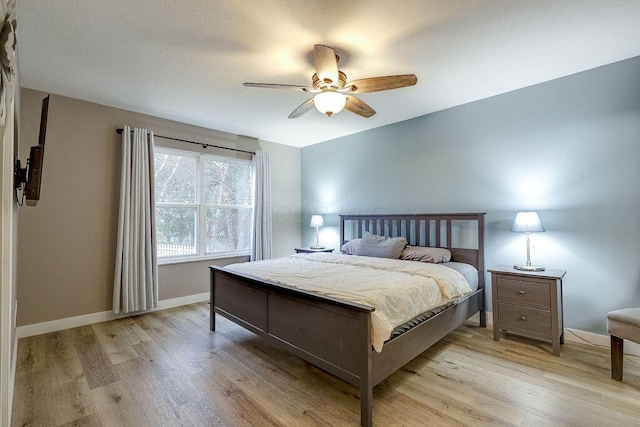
[202,144]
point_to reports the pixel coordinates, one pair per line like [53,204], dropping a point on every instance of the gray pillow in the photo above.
[381,247]
[426,254]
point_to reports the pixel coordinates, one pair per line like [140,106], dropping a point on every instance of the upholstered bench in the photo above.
[622,325]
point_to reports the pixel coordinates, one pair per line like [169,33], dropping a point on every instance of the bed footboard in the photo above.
[331,334]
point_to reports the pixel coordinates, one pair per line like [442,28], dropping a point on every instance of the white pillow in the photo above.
[350,247]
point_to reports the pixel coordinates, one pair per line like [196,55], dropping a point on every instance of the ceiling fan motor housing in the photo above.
[320,84]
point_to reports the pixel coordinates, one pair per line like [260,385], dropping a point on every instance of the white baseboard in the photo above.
[572,335]
[87,319]
[177,302]
[582,337]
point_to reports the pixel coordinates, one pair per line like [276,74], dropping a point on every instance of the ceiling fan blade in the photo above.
[326,64]
[279,86]
[376,84]
[303,108]
[358,106]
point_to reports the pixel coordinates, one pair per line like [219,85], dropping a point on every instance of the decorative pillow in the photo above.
[350,247]
[381,247]
[426,254]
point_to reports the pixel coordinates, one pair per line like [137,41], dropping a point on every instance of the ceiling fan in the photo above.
[333,92]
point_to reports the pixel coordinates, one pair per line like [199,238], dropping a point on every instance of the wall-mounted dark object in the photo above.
[29,179]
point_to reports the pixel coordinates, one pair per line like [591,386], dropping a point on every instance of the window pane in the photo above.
[176,229]
[228,229]
[228,183]
[175,178]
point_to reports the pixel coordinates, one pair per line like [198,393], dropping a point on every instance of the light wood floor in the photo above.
[166,369]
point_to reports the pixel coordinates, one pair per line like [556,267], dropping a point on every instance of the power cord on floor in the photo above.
[584,339]
[596,345]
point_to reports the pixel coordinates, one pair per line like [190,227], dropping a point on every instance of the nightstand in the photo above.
[528,303]
[310,251]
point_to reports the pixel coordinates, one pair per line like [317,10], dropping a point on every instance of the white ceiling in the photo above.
[186,60]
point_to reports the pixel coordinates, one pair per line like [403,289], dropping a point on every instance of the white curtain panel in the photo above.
[261,241]
[135,286]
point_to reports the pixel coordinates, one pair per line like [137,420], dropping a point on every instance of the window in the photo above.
[203,205]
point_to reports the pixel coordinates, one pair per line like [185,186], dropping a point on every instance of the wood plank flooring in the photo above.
[166,369]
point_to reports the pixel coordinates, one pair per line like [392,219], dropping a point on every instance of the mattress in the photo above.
[398,290]
[469,272]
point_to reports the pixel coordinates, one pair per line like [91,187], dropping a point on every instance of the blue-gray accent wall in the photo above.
[568,149]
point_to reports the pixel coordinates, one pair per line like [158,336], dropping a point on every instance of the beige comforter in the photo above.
[398,290]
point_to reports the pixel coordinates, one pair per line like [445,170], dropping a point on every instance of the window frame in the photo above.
[201,207]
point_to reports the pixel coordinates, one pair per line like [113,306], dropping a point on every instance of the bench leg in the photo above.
[617,347]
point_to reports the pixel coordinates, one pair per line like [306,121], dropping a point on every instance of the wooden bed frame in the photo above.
[335,335]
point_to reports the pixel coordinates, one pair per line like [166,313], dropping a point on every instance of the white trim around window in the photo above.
[200,206]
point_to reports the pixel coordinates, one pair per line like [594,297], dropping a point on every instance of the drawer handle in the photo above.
[523,318]
[520,292]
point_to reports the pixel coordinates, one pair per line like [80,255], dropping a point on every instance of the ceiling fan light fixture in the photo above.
[329,102]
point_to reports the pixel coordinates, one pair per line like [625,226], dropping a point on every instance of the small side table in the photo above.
[528,303]
[310,251]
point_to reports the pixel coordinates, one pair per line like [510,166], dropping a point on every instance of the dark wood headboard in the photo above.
[461,233]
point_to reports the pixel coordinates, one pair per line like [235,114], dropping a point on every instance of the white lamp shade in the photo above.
[329,102]
[527,222]
[316,221]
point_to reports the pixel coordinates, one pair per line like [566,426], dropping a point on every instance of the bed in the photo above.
[334,334]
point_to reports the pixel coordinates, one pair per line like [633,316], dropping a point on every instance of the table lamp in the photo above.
[317,222]
[527,223]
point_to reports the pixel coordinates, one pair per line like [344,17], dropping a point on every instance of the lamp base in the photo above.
[529,267]
[317,247]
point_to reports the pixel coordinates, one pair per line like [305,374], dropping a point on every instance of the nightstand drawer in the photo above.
[518,318]
[524,292]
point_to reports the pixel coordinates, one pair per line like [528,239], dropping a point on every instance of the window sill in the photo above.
[200,259]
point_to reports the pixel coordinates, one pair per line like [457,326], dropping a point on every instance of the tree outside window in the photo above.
[203,205]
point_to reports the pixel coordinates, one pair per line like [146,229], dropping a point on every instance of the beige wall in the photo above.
[66,244]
